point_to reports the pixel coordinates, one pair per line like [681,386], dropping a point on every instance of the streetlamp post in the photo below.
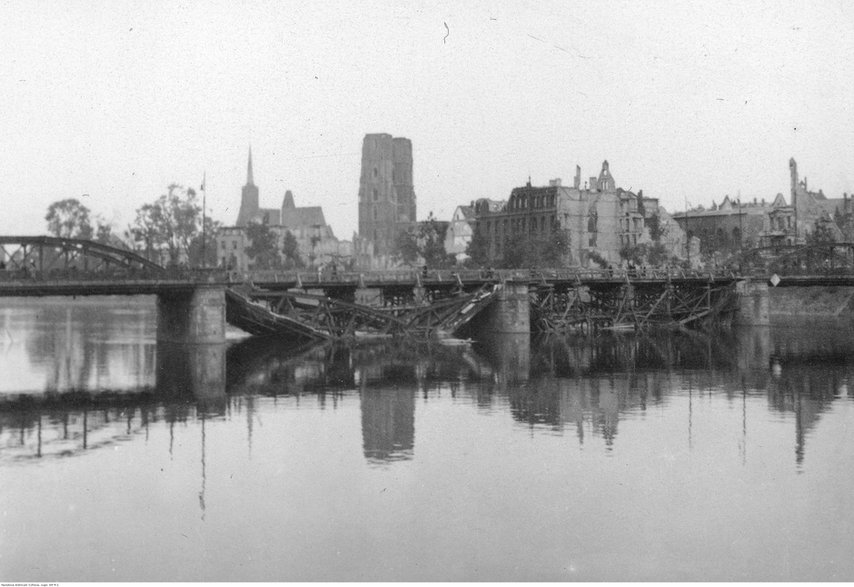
[204,223]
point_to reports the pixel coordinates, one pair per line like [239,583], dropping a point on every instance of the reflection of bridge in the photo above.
[194,305]
[570,382]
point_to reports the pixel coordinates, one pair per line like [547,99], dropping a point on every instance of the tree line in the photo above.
[168,231]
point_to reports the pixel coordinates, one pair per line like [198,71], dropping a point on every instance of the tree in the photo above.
[406,249]
[555,248]
[103,231]
[824,233]
[262,248]
[69,219]
[478,249]
[653,254]
[145,231]
[172,222]
[202,251]
[526,251]
[290,249]
[423,243]
[431,240]
[518,252]
[653,223]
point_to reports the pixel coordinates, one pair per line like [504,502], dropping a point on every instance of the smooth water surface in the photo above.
[669,457]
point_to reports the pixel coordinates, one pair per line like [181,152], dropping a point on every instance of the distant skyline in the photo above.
[687,101]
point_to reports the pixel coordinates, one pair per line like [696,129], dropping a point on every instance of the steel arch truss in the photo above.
[64,257]
[818,258]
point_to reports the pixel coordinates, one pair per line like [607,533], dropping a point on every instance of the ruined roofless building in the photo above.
[386,192]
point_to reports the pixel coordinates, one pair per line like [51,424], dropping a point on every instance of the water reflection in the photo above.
[91,377]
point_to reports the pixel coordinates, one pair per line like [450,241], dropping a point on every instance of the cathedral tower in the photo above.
[386,191]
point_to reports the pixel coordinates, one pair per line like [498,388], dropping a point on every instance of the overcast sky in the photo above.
[685,100]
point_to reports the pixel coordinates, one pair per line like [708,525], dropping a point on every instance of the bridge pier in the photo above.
[509,312]
[195,316]
[753,304]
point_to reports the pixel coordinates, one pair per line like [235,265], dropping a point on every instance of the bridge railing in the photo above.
[27,274]
[311,279]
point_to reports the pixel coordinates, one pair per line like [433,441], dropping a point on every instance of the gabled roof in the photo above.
[467,212]
[305,216]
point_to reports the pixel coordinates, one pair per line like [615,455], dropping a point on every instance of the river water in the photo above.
[668,457]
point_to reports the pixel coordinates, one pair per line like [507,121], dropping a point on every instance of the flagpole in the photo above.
[204,224]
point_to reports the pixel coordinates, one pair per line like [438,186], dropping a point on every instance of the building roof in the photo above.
[269,216]
[467,212]
[305,216]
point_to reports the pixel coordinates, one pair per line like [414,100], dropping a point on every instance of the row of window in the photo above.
[538,201]
[533,224]
[782,222]
[628,240]
[630,225]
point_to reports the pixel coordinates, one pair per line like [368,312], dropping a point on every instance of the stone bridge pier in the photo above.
[753,304]
[509,312]
[192,316]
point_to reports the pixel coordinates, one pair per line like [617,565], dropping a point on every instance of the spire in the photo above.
[250,180]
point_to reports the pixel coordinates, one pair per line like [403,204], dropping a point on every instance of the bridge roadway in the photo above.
[36,284]
[73,283]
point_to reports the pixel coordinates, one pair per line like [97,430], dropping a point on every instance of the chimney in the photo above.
[555,182]
[576,182]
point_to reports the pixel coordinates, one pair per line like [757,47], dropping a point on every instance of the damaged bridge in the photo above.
[193,306]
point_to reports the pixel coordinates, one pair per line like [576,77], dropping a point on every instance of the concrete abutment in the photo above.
[194,316]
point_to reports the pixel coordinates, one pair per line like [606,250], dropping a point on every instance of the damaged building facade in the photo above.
[736,224]
[599,218]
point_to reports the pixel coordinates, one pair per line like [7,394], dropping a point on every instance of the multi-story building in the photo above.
[734,225]
[387,202]
[599,218]
[730,226]
[462,225]
[810,208]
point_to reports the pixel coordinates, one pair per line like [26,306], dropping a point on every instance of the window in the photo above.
[376,195]
[375,171]
[375,213]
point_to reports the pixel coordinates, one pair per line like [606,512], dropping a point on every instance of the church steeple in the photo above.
[250,180]
[248,197]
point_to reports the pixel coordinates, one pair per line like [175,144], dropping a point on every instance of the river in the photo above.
[678,456]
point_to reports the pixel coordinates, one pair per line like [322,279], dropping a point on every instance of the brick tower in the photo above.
[386,191]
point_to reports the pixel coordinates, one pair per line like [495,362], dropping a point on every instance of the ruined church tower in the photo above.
[386,191]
